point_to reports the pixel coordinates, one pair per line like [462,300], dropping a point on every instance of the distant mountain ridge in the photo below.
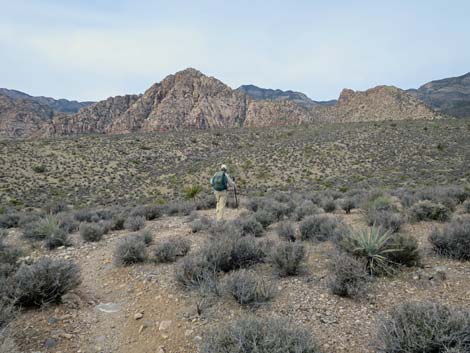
[189,99]
[59,105]
[450,95]
[258,93]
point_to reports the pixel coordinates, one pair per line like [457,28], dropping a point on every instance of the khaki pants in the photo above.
[221,198]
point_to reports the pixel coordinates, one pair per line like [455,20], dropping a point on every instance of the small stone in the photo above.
[138,316]
[164,325]
[68,336]
[197,338]
[50,343]
[52,320]
[188,333]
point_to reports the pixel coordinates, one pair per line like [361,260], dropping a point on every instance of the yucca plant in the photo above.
[374,245]
[192,191]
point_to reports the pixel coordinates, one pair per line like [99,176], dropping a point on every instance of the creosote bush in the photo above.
[286,231]
[349,278]
[130,250]
[248,288]
[169,250]
[44,281]
[429,211]
[261,336]
[453,240]
[92,232]
[134,223]
[424,327]
[289,258]
[321,228]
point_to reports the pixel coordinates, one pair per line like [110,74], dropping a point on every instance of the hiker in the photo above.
[220,182]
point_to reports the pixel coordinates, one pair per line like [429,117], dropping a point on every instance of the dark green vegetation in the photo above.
[153,167]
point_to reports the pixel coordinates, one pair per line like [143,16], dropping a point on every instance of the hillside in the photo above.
[450,95]
[299,98]
[58,105]
[191,100]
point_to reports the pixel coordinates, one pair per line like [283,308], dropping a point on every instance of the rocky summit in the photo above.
[191,100]
[450,96]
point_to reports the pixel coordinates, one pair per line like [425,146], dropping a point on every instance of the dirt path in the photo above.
[153,314]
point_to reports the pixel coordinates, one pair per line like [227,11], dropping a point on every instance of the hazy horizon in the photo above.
[85,51]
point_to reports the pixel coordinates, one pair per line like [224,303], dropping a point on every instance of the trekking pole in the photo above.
[235,194]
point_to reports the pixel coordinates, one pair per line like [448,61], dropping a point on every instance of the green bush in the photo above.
[374,245]
[453,240]
[429,211]
[425,327]
[289,258]
[260,336]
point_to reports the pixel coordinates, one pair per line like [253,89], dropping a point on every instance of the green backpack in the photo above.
[219,181]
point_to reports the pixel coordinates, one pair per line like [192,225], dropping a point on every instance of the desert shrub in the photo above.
[320,228]
[8,254]
[67,222]
[429,211]
[118,220]
[286,231]
[261,336]
[194,272]
[90,216]
[145,236]
[253,204]
[329,205]
[264,217]
[9,220]
[250,226]
[44,281]
[386,219]
[288,258]
[170,249]
[382,250]
[56,206]
[448,196]
[130,250]
[39,168]
[179,208]
[466,206]
[406,251]
[348,204]
[149,212]
[200,224]
[424,327]
[56,239]
[205,202]
[134,223]
[92,232]
[44,228]
[192,191]
[248,288]
[7,312]
[305,209]
[453,240]
[349,277]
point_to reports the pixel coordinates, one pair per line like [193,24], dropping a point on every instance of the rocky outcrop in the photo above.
[58,105]
[191,100]
[376,104]
[299,98]
[450,96]
[187,99]
[23,117]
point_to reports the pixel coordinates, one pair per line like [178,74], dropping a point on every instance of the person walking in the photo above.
[220,183]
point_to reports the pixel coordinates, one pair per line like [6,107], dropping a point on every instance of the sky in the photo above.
[91,50]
